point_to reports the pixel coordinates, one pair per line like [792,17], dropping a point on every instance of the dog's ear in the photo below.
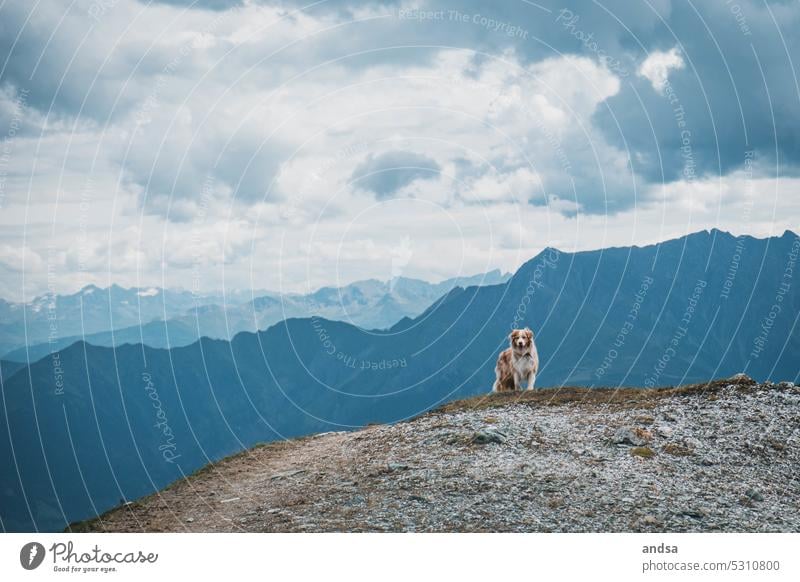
[529,332]
[513,335]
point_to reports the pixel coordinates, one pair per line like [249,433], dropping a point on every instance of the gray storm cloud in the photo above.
[384,174]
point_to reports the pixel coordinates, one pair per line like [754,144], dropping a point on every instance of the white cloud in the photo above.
[521,186]
[202,164]
[658,65]
[232,141]
[17,259]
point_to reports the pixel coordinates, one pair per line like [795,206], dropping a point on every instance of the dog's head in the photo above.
[521,339]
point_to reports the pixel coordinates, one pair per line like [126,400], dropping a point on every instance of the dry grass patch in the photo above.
[644,452]
[617,397]
[677,450]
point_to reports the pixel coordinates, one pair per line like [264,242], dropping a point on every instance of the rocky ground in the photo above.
[722,456]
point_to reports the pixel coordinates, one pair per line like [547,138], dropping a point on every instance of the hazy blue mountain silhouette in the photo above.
[171,318]
[97,443]
[90,311]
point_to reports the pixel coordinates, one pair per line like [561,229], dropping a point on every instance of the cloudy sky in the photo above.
[287,145]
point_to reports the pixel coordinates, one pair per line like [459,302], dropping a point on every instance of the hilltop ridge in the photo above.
[719,456]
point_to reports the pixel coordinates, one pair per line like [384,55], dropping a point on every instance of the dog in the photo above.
[518,365]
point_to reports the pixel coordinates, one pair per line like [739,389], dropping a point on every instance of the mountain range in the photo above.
[89,311]
[92,427]
[165,318]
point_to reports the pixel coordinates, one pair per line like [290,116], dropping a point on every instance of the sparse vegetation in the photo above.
[618,397]
[677,450]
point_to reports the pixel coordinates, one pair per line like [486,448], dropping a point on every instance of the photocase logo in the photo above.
[31,555]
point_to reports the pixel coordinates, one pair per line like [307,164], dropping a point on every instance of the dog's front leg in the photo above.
[517,381]
[531,381]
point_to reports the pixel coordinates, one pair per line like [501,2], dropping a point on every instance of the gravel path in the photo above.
[716,457]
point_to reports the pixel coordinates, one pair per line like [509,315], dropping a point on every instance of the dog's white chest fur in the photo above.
[523,365]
